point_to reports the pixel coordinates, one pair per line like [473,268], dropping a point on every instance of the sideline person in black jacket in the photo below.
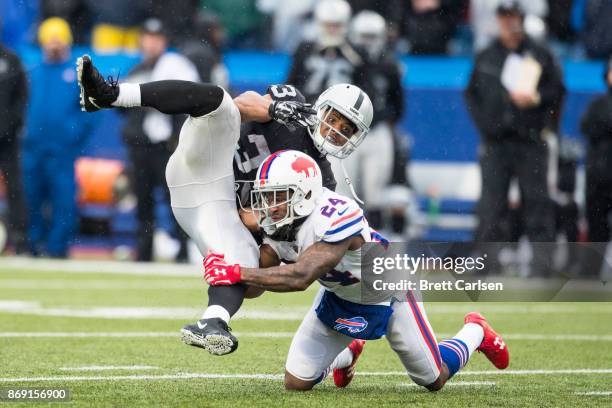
[13,98]
[510,121]
[597,128]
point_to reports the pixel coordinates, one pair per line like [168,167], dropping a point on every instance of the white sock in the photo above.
[472,335]
[218,312]
[342,360]
[129,96]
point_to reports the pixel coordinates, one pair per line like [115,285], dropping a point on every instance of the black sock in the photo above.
[175,97]
[228,297]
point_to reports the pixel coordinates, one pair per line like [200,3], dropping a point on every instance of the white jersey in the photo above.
[334,219]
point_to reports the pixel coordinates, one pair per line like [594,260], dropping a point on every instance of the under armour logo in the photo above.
[220,272]
[499,342]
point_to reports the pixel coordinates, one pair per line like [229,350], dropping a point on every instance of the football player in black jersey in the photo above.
[344,113]
[199,173]
[330,59]
[258,140]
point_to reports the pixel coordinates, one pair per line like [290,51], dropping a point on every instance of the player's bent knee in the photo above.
[293,383]
[436,386]
[440,381]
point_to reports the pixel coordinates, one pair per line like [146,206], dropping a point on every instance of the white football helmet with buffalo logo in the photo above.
[352,103]
[287,177]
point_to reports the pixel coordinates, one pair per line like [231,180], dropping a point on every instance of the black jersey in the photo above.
[258,140]
[384,87]
[314,69]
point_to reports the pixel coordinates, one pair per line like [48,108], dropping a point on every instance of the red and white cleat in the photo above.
[492,346]
[344,376]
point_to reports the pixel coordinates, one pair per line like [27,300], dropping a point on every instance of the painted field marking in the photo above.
[108,368]
[183,376]
[503,372]
[457,384]
[509,336]
[187,312]
[111,267]
[595,393]
[132,334]
[97,284]
[165,313]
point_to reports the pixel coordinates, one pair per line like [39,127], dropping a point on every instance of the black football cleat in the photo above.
[96,93]
[213,335]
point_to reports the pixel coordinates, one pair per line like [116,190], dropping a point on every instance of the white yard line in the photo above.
[457,384]
[503,372]
[112,267]
[108,368]
[120,335]
[114,284]
[292,313]
[557,337]
[509,336]
[167,313]
[595,393]
[185,312]
[180,376]
[194,270]
[184,376]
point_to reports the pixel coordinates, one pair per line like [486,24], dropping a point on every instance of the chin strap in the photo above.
[349,183]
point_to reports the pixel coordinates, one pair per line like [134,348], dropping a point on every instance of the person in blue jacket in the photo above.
[56,132]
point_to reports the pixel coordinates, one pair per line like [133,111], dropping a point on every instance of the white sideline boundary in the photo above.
[510,336]
[189,376]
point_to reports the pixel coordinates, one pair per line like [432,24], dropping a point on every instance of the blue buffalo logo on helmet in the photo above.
[352,325]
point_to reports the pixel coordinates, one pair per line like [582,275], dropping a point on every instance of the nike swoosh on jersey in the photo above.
[342,212]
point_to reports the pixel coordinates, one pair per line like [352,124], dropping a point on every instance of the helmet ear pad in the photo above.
[305,207]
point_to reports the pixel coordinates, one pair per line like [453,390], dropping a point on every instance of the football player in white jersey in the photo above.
[323,233]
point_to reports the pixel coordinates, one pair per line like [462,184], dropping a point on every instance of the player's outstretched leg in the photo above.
[212,335]
[477,334]
[168,96]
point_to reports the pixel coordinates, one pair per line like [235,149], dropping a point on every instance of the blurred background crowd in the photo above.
[504,106]
[576,28]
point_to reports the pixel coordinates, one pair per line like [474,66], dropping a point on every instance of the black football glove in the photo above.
[292,114]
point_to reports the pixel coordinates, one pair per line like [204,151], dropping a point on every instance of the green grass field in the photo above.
[110,334]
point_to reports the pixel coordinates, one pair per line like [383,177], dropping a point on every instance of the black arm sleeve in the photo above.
[173,97]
